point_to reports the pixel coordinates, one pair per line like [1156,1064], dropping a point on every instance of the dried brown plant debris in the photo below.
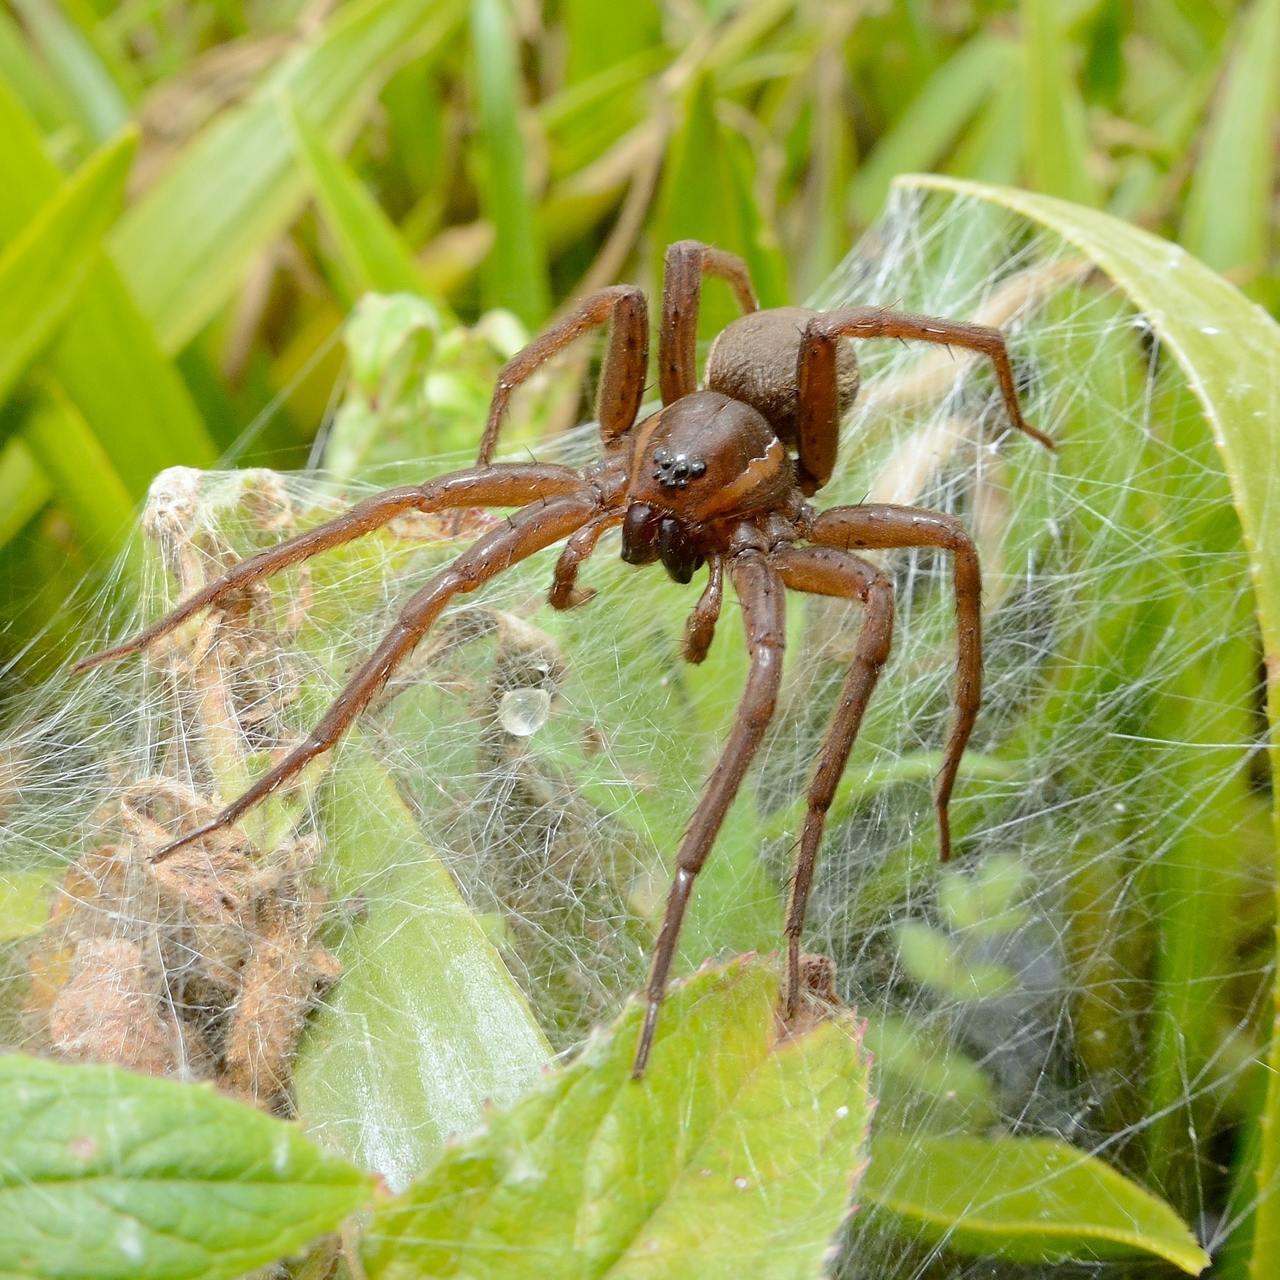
[202,966]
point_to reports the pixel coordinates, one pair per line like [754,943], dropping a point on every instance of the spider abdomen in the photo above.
[754,360]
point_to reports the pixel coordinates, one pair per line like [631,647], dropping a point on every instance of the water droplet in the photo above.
[841,1112]
[742,1183]
[1209,329]
[522,712]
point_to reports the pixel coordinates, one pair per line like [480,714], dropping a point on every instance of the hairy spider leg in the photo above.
[525,533]
[506,485]
[819,424]
[565,592]
[884,526]
[700,628]
[762,597]
[622,377]
[826,571]
[687,261]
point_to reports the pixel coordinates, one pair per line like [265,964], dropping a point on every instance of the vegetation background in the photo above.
[499,158]
[514,155]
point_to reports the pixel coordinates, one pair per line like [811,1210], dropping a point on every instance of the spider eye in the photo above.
[674,470]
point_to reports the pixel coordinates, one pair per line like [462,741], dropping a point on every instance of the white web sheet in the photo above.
[1093,966]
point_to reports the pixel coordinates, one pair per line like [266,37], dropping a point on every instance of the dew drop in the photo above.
[522,712]
[742,1183]
[841,1112]
[1209,329]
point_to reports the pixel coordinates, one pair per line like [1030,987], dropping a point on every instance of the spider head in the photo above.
[705,457]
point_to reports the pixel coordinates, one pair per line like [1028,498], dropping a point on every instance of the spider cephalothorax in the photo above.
[717,477]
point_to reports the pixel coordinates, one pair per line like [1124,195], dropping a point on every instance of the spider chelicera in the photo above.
[717,476]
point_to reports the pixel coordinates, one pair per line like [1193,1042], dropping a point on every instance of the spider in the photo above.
[717,476]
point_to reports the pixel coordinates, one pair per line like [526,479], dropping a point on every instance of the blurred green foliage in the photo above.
[510,154]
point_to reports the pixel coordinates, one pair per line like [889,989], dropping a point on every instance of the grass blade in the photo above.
[515,273]
[1056,147]
[371,247]
[107,357]
[1228,213]
[43,267]
[88,486]
[926,126]
[24,489]
[96,99]
[185,246]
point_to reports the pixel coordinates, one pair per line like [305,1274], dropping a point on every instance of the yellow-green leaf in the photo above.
[735,1157]
[43,267]
[1027,1199]
[1228,212]
[184,247]
[104,1174]
[427,1024]
[372,249]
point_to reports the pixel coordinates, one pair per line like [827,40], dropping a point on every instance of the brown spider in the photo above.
[709,478]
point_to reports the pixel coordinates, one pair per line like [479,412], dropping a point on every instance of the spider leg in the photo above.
[508,485]
[700,629]
[761,594]
[686,263]
[621,378]
[882,525]
[818,431]
[565,593]
[528,531]
[828,572]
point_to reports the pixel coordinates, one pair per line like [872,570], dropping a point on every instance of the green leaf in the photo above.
[27,79]
[371,246]
[1056,146]
[184,247]
[427,1024]
[86,83]
[104,1173]
[925,127]
[515,273]
[43,267]
[734,1157]
[23,489]
[24,903]
[1228,212]
[89,489]
[705,196]
[1228,349]
[1026,1199]
[107,357]
[600,36]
